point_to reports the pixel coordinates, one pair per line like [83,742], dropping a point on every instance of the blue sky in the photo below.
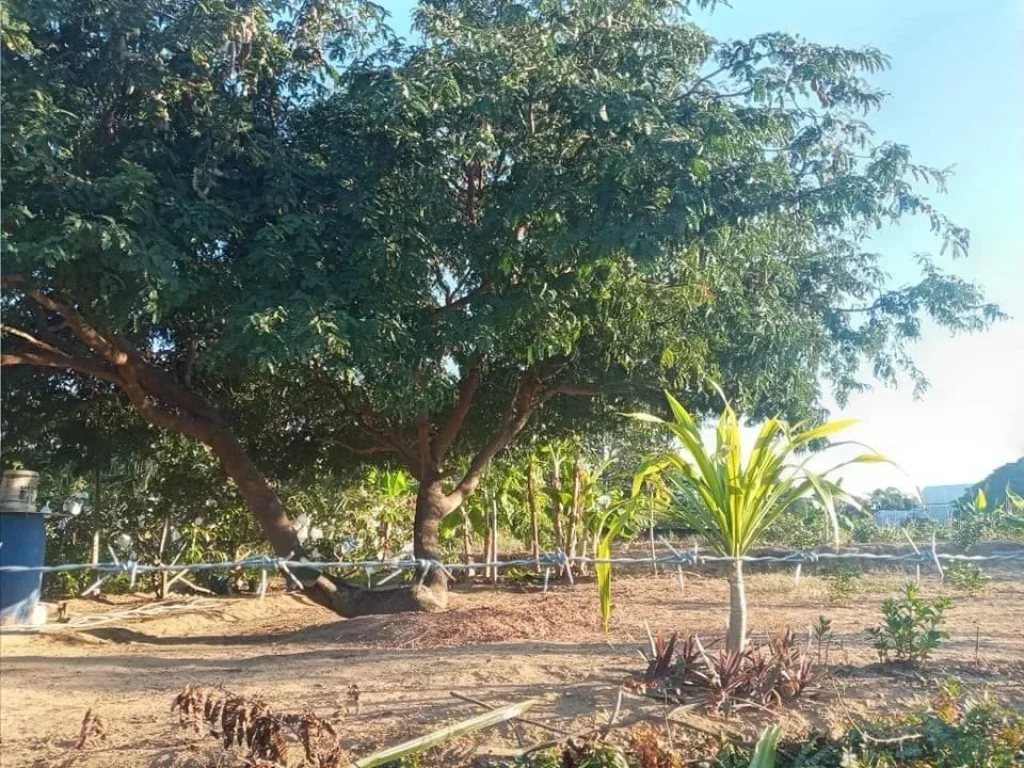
[957,98]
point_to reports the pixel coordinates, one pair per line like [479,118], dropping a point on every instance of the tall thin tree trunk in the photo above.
[736,637]
[556,506]
[164,533]
[488,535]
[654,553]
[576,515]
[531,500]
[465,541]
[494,541]
[94,554]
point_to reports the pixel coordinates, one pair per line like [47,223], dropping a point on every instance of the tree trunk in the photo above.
[160,398]
[654,553]
[737,634]
[576,517]
[556,505]
[348,600]
[164,533]
[494,541]
[488,546]
[531,500]
[431,507]
[94,554]
[465,542]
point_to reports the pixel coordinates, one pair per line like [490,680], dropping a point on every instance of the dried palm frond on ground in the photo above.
[247,721]
[92,728]
[319,740]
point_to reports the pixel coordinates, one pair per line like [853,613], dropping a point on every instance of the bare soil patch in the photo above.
[499,645]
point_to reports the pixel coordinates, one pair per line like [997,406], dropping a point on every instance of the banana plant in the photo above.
[614,522]
[733,502]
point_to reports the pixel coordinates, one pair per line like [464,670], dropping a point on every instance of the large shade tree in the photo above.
[539,215]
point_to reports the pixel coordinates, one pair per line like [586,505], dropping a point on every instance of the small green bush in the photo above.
[823,636]
[910,628]
[844,583]
[966,577]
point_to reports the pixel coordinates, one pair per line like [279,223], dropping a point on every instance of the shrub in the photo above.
[865,531]
[978,520]
[844,583]
[966,577]
[823,635]
[910,629]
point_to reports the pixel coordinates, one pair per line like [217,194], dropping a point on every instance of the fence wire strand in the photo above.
[676,558]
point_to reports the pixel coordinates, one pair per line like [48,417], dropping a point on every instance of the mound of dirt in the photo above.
[551,619]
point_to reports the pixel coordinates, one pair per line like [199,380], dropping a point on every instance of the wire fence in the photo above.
[547,564]
[675,559]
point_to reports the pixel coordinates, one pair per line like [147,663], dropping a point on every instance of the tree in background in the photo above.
[891,498]
[133,175]
[261,238]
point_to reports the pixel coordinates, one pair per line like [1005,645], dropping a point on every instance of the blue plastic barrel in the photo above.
[22,542]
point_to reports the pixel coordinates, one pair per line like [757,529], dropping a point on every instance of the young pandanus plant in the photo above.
[732,499]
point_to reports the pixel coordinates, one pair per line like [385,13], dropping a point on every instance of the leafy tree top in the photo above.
[342,241]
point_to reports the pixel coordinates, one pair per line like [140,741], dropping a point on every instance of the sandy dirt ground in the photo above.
[498,645]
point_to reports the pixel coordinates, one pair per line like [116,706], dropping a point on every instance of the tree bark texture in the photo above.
[736,636]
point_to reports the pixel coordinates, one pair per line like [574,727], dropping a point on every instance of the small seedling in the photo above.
[822,633]
[966,577]
[844,582]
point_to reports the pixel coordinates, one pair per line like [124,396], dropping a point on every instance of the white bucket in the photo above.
[18,491]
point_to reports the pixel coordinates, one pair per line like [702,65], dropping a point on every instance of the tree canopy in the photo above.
[891,498]
[308,244]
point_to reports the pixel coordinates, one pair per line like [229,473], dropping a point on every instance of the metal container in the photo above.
[22,542]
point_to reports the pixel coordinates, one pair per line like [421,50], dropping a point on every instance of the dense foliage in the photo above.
[278,231]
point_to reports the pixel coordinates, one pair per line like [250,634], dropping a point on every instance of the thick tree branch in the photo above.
[39,343]
[131,369]
[157,416]
[45,359]
[190,361]
[47,332]
[453,424]
[367,451]
[385,435]
[524,404]
[89,335]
